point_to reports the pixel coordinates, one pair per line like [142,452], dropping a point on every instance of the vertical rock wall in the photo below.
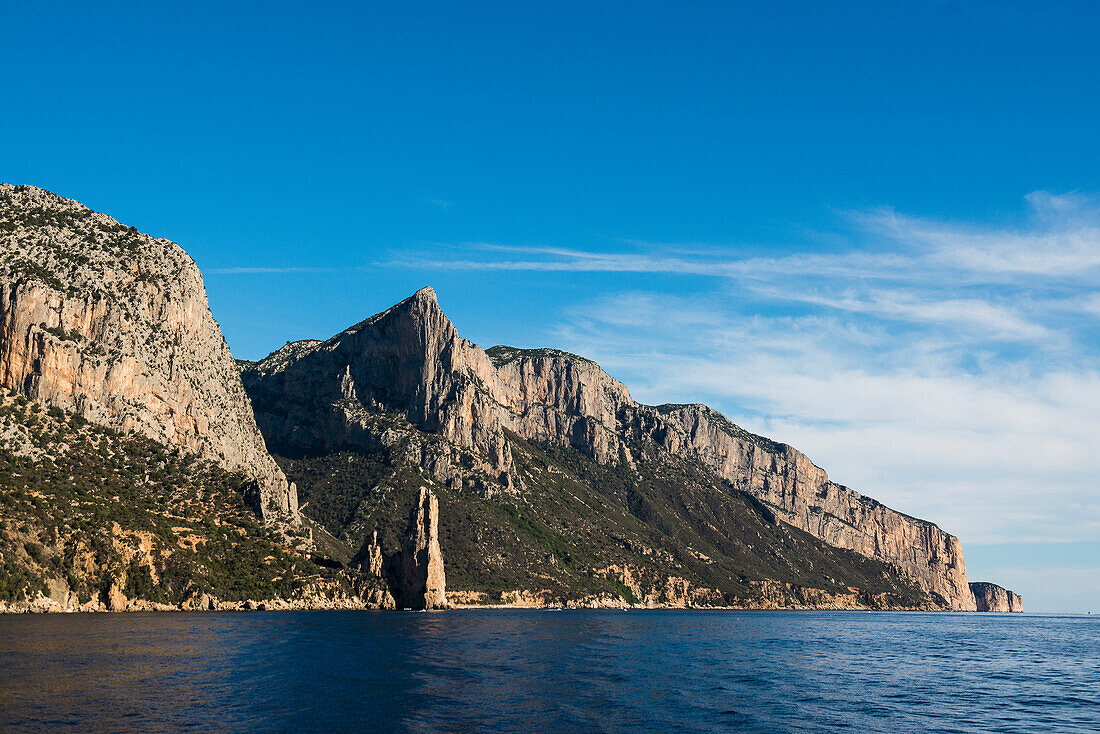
[992,598]
[407,360]
[803,496]
[112,324]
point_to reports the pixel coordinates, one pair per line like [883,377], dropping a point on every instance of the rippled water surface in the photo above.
[498,670]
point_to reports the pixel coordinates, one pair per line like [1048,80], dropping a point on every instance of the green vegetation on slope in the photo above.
[87,506]
[572,526]
[502,354]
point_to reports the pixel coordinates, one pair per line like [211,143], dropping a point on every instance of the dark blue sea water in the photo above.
[533,671]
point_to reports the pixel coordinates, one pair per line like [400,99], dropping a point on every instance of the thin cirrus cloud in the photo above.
[263,270]
[1060,240]
[972,315]
[564,260]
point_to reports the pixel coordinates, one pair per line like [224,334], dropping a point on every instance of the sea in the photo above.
[531,671]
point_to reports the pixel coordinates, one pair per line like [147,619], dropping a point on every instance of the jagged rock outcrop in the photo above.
[374,556]
[409,360]
[421,581]
[112,324]
[992,598]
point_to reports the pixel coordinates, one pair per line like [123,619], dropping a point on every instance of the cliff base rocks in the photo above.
[573,532]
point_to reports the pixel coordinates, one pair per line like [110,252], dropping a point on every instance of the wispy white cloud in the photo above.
[564,260]
[260,270]
[1089,304]
[1060,239]
[994,319]
[996,452]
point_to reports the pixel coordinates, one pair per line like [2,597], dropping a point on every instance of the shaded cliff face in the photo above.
[99,319]
[410,363]
[992,598]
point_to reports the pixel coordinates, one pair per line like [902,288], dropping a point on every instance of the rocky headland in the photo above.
[405,388]
[992,598]
[142,468]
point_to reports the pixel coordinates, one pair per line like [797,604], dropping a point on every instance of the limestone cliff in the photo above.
[99,319]
[802,495]
[410,361]
[992,598]
[420,576]
[568,399]
[556,396]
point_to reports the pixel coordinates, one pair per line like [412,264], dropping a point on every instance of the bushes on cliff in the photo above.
[100,506]
[18,580]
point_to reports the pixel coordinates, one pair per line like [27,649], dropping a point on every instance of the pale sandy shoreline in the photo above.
[46,606]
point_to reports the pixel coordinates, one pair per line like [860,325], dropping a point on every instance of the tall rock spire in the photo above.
[422,582]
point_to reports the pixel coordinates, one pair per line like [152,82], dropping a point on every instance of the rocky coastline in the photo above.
[142,468]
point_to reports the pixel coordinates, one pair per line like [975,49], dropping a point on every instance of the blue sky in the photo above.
[870,230]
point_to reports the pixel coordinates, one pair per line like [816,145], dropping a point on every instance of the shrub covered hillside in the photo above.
[664,532]
[96,519]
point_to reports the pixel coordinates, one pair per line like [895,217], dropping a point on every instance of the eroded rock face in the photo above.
[566,399]
[374,565]
[409,360]
[112,324]
[992,598]
[555,396]
[421,580]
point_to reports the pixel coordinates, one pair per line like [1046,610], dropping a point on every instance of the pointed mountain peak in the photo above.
[427,293]
[419,304]
[423,301]
[423,298]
